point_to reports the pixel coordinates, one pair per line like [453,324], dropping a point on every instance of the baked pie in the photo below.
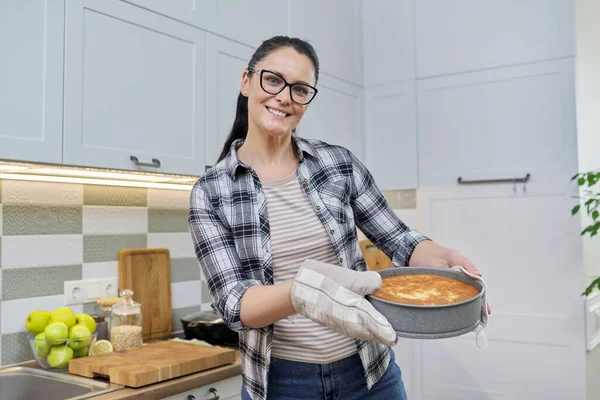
[424,290]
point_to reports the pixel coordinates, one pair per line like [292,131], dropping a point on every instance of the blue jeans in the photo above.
[343,380]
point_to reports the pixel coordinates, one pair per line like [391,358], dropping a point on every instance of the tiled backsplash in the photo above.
[53,232]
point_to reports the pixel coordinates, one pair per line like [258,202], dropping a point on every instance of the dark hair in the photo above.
[240,124]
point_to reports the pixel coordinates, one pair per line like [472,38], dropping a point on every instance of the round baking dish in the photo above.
[430,322]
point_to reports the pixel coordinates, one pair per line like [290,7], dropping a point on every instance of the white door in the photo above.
[192,12]
[134,89]
[528,249]
[226,60]
[31,78]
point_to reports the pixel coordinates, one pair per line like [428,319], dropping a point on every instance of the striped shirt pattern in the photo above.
[297,234]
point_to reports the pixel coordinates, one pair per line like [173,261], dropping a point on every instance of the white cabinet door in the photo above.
[248,22]
[192,12]
[226,60]
[134,86]
[333,27]
[468,35]
[528,249]
[388,41]
[336,115]
[31,80]
[497,124]
[391,135]
[226,389]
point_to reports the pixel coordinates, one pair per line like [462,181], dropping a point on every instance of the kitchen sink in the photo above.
[25,383]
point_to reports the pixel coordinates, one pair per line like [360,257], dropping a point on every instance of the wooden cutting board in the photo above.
[148,273]
[152,363]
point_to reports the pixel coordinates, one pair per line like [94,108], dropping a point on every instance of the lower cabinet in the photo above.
[226,389]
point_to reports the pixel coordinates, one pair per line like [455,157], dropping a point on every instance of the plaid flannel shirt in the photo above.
[229,225]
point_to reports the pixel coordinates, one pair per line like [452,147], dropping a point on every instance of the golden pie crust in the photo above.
[424,290]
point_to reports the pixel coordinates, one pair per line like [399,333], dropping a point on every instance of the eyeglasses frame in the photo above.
[286,84]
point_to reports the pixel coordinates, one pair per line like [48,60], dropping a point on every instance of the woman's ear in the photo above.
[245,85]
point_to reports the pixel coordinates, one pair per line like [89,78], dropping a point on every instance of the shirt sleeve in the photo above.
[376,219]
[216,252]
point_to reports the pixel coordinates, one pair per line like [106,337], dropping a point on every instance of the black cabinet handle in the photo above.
[214,393]
[154,164]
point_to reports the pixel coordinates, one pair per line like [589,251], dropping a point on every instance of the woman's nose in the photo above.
[284,96]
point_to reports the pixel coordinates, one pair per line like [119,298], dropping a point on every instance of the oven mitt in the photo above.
[480,337]
[333,296]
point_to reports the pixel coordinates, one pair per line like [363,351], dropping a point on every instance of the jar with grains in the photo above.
[126,322]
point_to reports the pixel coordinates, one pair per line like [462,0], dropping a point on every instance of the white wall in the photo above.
[587,33]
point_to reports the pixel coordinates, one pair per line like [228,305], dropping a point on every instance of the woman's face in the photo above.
[276,114]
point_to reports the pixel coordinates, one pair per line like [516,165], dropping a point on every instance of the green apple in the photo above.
[56,333]
[60,356]
[82,352]
[64,315]
[84,319]
[79,337]
[36,321]
[41,348]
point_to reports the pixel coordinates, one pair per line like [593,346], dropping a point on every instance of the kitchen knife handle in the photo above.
[154,164]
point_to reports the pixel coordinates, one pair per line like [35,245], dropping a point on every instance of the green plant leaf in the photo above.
[595,214]
[575,209]
[581,181]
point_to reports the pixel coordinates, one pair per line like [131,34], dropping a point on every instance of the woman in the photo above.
[273,223]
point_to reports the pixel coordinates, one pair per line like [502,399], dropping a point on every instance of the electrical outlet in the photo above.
[90,290]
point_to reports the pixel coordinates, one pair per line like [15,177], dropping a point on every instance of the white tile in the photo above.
[186,294]
[179,244]
[29,192]
[97,270]
[173,199]
[100,220]
[14,312]
[41,250]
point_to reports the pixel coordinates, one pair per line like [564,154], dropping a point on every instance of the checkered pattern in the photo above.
[230,229]
[319,296]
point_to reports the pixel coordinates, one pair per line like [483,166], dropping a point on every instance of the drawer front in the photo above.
[226,389]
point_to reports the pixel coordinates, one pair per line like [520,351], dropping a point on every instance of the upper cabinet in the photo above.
[333,27]
[31,78]
[226,60]
[193,12]
[468,35]
[134,89]
[499,124]
[249,22]
[336,116]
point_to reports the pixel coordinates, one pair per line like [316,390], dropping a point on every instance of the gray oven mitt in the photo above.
[333,296]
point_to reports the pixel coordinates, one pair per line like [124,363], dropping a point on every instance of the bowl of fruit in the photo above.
[57,337]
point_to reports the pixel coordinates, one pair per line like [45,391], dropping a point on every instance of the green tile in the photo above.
[160,220]
[41,220]
[178,313]
[16,283]
[97,248]
[67,273]
[206,298]
[184,269]
[44,281]
[96,195]
[15,348]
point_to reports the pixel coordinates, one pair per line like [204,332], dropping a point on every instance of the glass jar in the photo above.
[126,322]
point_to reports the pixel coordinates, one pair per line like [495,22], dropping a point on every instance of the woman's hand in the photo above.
[430,254]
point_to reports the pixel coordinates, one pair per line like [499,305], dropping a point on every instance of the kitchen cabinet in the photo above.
[333,27]
[336,115]
[248,22]
[31,78]
[226,389]
[226,60]
[391,135]
[193,12]
[499,124]
[469,35]
[135,86]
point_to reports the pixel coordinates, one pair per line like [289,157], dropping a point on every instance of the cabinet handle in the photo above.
[505,180]
[191,397]
[154,164]
[207,167]
[215,394]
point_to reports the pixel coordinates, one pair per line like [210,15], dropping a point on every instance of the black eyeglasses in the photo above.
[273,83]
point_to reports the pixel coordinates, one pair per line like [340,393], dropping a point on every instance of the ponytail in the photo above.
[239,130]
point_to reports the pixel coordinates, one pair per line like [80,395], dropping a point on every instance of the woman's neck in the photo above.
[271,157]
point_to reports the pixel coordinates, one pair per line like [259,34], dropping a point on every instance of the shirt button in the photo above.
[341,260]
[305,180]
[318,208]
[332,231]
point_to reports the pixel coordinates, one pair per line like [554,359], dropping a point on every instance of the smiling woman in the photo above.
[274,228]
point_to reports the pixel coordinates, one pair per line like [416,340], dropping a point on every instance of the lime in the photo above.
[101,347]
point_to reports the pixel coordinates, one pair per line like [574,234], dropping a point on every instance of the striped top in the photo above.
[298,234]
